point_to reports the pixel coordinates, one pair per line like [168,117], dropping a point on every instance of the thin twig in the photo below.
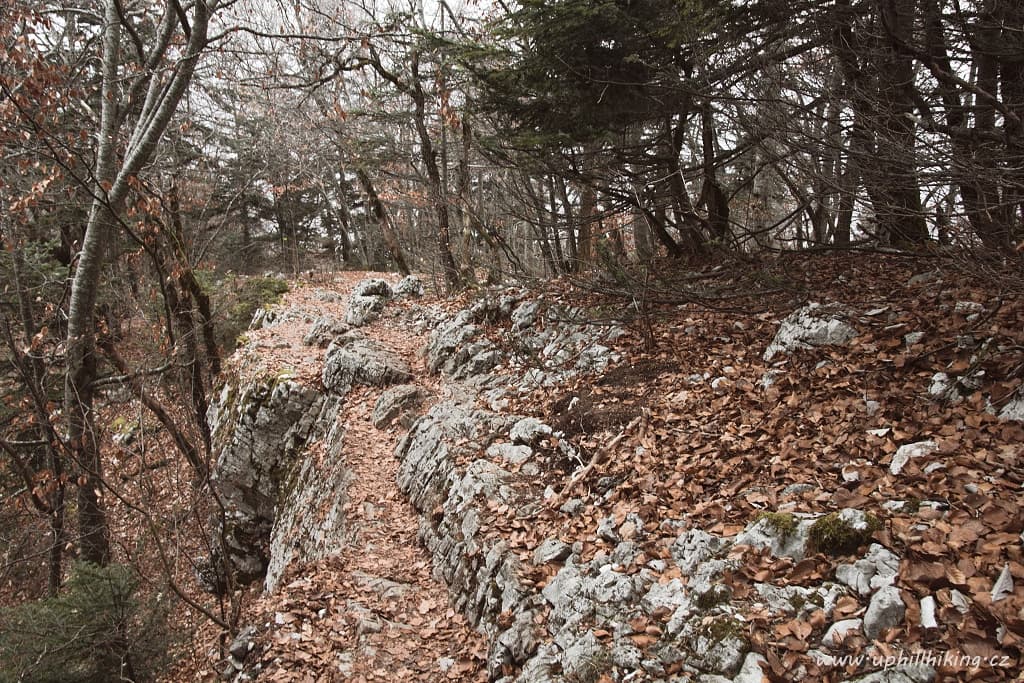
[599,457]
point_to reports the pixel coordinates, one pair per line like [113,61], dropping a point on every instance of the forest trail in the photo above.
[708,491]
[371,611]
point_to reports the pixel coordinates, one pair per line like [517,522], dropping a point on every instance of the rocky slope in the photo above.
[562,493]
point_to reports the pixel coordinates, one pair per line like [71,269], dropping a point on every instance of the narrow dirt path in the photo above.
[372,611]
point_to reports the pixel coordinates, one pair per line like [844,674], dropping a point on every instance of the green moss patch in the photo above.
[724,629]
[238,299]
[716,595]
[837,534]
[783,522]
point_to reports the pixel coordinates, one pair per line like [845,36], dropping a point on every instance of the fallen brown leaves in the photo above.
[718,453]
[371,611]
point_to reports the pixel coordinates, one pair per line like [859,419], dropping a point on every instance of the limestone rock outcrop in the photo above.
[813,325]
[260,431]
[356,360]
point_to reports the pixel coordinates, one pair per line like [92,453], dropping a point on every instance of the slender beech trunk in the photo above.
[556,234]
[380,216]
[436,188]
[570,223]
[687,220]
[847,196]
[81,348]
[344,217]
[585,235]
[110,191]
[462,207]
[540,227]
[714,197]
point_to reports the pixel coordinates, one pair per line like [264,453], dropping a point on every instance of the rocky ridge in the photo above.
[630,610]
[621,612]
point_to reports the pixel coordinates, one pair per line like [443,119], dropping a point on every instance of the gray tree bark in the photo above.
[112,183]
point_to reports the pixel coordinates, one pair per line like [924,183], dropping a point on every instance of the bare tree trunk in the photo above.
[641,237]
[830,188]
[344,217]
[435,185]
[81,352]
[844,211]
[570,223]
[989,196]
[880,76]
[452,276]
[191,329]
[687,221]
[585,236]
[714,197]
[1011,67]
[461,209]
[112,185]
[380,216]
[540,227]
[556,237]
[614,233]
[901,188]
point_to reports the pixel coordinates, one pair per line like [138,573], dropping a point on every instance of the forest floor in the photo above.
[704,439]
[718,452]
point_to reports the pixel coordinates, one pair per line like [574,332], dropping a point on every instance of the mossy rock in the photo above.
[717,645]
[842,533]
[286,374]
[783,522]
[714,596]
[237,300]
[724,628]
